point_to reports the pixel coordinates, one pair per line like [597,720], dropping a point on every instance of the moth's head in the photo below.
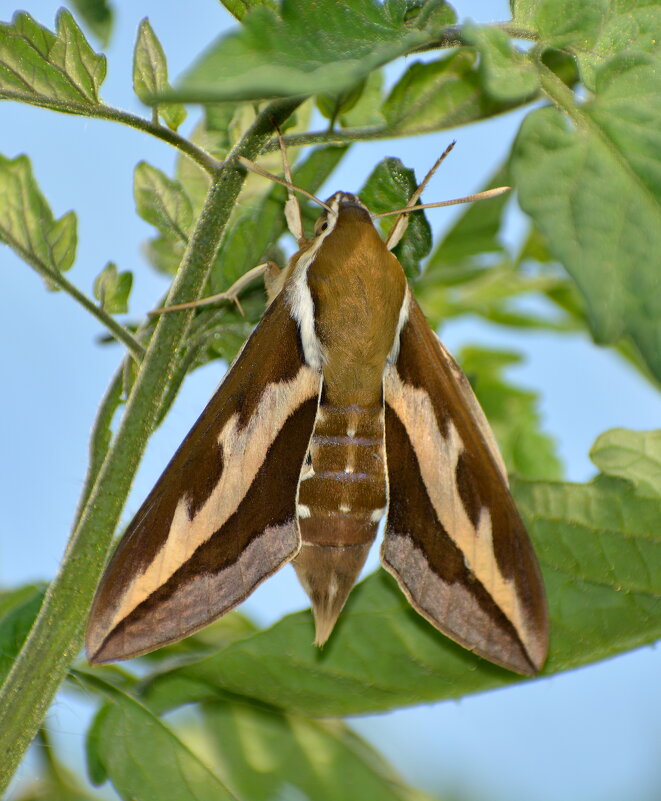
[342,208]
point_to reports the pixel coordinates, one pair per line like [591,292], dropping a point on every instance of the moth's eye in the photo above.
[321,226]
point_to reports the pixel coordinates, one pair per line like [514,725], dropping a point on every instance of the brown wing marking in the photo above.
[454,539]
[222,517]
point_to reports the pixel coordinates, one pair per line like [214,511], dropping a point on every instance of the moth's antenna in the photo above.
[399,228]
[250,165]
[498,190]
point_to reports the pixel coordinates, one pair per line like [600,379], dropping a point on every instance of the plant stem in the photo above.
[197,154]
[103,112]
[57,634]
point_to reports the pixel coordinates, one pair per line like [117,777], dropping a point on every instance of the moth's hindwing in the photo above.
[222,517]
[454,539]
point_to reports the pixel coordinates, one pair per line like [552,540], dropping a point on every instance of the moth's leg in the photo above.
[270,271]
[401,223]
[292,207]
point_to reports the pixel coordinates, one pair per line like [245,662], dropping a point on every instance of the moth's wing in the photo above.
[454,539]
[222,517]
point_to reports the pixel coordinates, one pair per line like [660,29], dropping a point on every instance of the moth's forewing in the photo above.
[222,517]
[454,539]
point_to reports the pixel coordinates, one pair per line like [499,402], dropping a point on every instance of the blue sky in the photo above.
[592,734]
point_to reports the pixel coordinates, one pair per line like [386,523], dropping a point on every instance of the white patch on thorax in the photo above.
[401,322]
[300,301]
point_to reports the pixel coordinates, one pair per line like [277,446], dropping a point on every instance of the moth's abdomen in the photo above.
[341,498]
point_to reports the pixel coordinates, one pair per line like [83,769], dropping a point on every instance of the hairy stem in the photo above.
[103,112]
[56,637]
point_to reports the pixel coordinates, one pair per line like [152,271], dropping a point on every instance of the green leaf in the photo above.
[165,254]
[633,455]
[162,202]
[439,95]
[239,8]
[513,414]
[112,289]
[367,111]
[142,757]
[389,187]
[97,15]
[562,23]
[594,30]
[508,75]
[281,55]
[27,224]
[601,554]
[18,609]
[599,545]
[463,277]
[58,70]
[150,74]
[261,751]
[593,188]
[424,13]
[333,105]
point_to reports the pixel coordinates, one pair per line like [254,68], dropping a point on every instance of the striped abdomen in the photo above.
[341,498]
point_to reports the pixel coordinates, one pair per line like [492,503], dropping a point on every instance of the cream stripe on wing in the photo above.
[437,457]
[244,451]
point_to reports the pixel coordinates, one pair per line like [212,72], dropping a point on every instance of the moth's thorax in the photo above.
[357,288]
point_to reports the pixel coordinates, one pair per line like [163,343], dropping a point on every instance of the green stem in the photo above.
[56,277]
[197,154]
[103,112]
[57,634]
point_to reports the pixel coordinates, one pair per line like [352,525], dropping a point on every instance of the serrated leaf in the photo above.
[150,74]
[593,189]
[97,15]
[162,202]
[599,546]
[128,742]
[112,289]
[389,187]
[633,455]
[260,751]
[18,610]
[57,70]
[62,238]
[507,75]
[27,224]
[512,413]
[280,55]
[438,95]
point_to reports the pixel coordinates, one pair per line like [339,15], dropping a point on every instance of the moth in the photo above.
[343,407]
